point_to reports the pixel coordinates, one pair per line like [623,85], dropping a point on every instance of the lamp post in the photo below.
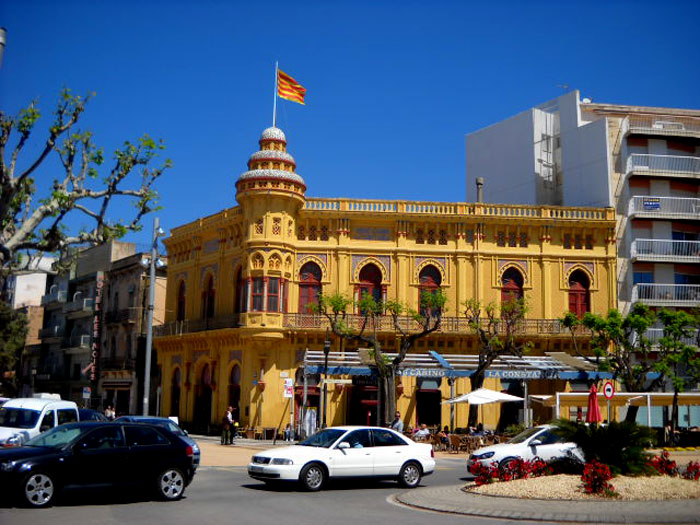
[326,350]
[157,232]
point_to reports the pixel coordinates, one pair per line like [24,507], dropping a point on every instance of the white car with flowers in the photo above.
[346,452]
[538,442]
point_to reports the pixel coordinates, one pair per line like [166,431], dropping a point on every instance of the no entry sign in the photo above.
[608,390]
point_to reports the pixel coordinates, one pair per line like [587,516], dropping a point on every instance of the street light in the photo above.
[151,263]
[326,350]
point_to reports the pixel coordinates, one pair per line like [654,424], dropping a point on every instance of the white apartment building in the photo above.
[643,161]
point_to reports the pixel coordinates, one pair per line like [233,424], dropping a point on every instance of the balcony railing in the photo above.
[664,207]
[127,315]
[118,363]
[667,294]
[655,334]
[663,126]
[197,325]
[666,165]
[665,250]
[77,341]
[55,297]
[51,331]
[78,305]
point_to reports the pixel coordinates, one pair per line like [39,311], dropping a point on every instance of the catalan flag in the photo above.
[289,89]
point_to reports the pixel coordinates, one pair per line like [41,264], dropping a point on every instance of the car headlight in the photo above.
[7,466]
[14,441]
[281,461]
[485,455]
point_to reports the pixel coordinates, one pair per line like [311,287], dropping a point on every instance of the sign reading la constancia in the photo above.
[498,374]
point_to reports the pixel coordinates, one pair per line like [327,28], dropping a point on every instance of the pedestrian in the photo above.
[110,414]
[226,424]
[397,424]
[288,432]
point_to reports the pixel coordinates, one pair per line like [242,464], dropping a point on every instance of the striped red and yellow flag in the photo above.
[289,89]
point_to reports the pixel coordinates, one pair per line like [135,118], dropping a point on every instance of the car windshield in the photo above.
[57,437]
[524,436]
[18,417]
[324,438]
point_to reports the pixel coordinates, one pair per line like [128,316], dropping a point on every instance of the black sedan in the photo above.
[78,455]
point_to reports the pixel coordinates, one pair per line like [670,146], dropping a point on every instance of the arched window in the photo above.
[579,293]
[511,285]
[181,301]
[208,296]
[370,283]
[309,286]
[429,280]
[234,391]
[175,393]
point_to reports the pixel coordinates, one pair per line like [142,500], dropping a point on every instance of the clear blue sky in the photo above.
[393,87]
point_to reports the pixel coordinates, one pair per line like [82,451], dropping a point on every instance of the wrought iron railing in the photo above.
[687,127]
[663,164]
[51,331]
[653,206]
[78,305]
[78,341]
[54,297]
[665,250]
[197,325]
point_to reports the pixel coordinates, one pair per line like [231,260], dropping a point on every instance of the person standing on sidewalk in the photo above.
[397,424]
[226,424]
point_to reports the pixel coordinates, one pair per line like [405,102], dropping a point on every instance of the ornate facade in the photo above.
[241,282]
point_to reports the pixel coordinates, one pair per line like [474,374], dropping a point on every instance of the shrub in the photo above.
[664,465]
[692,471]
[595,479]
[566,465]
[539,467]
[484,474]
[620,445]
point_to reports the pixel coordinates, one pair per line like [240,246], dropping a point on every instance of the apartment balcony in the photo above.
[197,325]
[662,250]
[52,332]
[654,335]
[117,363]
[54,298]
[78,308]
[662,126]
[675,295]
[78,342]
[652,207]
[127,315]
[663,165]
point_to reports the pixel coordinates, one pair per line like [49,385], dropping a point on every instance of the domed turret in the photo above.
[271,169]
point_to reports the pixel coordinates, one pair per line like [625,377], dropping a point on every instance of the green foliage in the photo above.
[13,333]
[620,445]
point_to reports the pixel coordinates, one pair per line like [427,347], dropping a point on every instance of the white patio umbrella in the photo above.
[483,396]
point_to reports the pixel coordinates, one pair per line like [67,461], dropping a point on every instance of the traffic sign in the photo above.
[608,390]
[289,388]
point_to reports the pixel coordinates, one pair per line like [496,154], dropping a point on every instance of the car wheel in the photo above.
[506,465]
[312,477]
[410,475]
[38,489]
[170,484]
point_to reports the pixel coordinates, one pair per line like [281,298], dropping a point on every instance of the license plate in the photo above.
[255,468]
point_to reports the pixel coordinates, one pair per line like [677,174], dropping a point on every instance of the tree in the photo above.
[408,324]
[497,331]
[678,360]
[13,333]
[620,345]
[34,221]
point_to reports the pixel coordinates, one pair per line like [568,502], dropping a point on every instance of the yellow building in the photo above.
[240,284]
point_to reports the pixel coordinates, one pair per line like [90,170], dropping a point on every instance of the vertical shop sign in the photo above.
[96,331]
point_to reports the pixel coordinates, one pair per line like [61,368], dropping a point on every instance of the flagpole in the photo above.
[274,106]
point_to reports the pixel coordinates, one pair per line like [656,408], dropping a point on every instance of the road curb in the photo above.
[453,500]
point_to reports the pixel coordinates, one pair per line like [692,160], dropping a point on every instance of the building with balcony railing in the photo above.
[643,161]
[242,283]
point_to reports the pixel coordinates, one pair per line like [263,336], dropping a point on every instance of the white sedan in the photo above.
[537,442]
[344,452]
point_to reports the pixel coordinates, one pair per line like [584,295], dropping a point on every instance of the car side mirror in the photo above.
[343,445]
[535,443]
[186,433]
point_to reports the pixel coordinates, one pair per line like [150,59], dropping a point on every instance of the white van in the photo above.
[24,418]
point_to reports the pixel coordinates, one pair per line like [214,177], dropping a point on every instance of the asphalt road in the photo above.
[221,495]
